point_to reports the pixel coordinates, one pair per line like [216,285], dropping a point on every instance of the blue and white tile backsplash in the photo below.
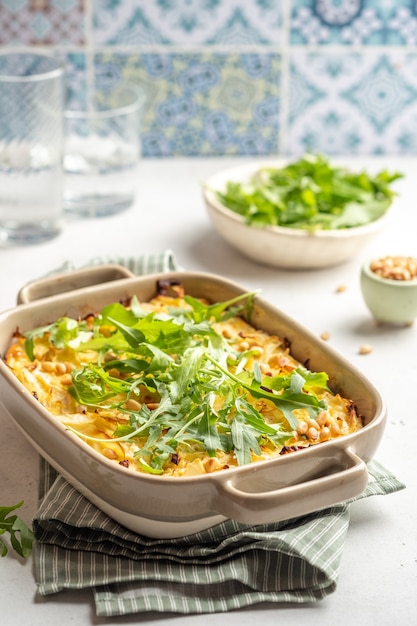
[242,77]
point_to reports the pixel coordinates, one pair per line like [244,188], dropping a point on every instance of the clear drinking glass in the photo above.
[31,146]
[102,152]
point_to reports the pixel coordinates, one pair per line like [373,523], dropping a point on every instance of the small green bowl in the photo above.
[389,301]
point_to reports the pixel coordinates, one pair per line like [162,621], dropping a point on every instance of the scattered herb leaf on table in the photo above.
[21,537]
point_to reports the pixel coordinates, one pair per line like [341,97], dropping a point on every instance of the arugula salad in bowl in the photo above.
[304,214]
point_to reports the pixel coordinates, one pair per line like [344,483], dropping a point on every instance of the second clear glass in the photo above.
[102,152]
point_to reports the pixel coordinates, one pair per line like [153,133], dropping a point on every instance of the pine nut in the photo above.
[334,429]
[133,405]
[109,453]
[365,349]
[322,418]
[211,464]
[313,433]
[60,369]
[325,433]
[258,349]
[302,428]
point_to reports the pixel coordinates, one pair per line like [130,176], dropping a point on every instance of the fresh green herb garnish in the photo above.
[202,397]
[21,537]
[310,194]
[64,332]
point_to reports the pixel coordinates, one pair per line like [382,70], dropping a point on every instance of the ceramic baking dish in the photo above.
[288,486]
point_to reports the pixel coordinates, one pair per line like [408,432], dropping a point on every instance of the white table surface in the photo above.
[378,579]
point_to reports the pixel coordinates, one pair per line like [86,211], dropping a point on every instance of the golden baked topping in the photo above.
[178,386]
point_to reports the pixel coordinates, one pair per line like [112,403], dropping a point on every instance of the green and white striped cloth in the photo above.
[164,261]
[226,567]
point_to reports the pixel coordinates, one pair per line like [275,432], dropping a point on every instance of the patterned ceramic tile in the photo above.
[365,22]
[353,103]
[76,77]
[202,100]
[41,22]
[187,22]
[202,104]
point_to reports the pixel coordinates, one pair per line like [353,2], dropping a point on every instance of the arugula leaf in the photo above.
[66,331]
[180,361]
[30,339]
[207,430]
[217,310]
[293,397]
[93,385]
[117,311]
[310,193]
[244,440]
[256,420]
[21,537]
[313,380]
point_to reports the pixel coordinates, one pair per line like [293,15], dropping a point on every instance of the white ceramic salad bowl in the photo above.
[285,487]
[276,246]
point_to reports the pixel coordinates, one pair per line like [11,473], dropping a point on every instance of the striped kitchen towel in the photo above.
[164,261]
[226,567]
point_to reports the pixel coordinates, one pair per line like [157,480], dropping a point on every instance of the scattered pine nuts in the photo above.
[325,336]
[365,349]
[341,288]
[395,267]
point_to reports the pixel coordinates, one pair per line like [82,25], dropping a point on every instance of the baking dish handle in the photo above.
[62,282]
[263,507]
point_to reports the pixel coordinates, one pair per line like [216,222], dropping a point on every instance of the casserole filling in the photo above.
[177,386]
